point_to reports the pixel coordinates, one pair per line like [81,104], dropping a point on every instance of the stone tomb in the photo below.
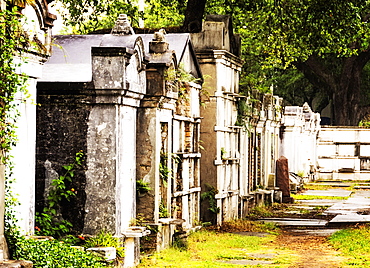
[88,98]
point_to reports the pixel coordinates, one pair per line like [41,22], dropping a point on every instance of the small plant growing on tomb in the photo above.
[163,211]
[210,195]
[50,222]
[223,153]
[106,239]
[165,172]
[142,187]
[179,79]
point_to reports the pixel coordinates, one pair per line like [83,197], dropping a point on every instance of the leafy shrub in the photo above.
[50,222]
[105,239]
[55,254]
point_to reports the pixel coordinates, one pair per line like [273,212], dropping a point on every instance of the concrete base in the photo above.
[16,264]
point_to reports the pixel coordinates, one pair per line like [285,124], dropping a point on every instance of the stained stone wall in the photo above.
[61,117]
[93,108]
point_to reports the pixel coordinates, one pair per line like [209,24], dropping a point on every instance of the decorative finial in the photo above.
[160,36]
[122,26]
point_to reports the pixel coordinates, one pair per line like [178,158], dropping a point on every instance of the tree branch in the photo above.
[316,73]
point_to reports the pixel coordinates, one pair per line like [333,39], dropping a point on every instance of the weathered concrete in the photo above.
[297,222]
[299,139]
[217,51]
[344,153]
[329,192]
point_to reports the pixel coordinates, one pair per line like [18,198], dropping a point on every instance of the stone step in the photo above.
[296,222]
[329,192]
[350,218]
[362,187]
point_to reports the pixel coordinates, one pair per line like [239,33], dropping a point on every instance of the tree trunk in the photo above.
[194,16]
[347,108]
[344,88]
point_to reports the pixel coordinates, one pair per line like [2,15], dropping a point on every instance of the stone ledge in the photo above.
[16,264]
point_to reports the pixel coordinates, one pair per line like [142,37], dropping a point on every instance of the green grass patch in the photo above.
[317,186]
[313,197]
[209,249]
[244,225]
[354,243]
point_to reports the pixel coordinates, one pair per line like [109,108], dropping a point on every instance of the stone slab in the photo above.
[297,222]
[315,232]
[362,187]
[329,192]
[320,202]
[350,218]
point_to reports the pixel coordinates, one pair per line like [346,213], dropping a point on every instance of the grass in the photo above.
[313,197]
[354,243]
[210,249]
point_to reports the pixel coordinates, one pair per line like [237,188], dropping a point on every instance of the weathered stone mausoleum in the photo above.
[89,97]
[168,152]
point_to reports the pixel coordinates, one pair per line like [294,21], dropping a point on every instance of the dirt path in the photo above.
[312,251]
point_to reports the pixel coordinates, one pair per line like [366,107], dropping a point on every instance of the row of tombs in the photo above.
[168,140]
[156,117]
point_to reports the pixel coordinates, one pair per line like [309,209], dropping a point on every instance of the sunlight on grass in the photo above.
[210,249]
[354,243]
[313,197]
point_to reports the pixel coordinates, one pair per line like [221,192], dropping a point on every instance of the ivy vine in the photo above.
[50,222]
[13,41]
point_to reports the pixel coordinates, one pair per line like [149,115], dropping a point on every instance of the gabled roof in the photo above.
[181,44]
[71,55]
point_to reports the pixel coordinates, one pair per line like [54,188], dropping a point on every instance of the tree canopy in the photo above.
[323,46]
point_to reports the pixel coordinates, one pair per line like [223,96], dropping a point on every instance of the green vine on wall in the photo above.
[12,42]
[210,195]
[50,222]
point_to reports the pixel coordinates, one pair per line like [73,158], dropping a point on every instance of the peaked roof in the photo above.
[181,44]
[71,55]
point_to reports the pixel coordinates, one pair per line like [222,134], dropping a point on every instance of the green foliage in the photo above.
[90,15]
[142,187]
[313,197]
[105,239]
[164,13]
[50,221]
[209,249]
[55,254]
[164,171]
[11,229]
[244,112]
[178,80]
[12,41]
[210,195]
[354,243]
[163,211]
[223,153]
